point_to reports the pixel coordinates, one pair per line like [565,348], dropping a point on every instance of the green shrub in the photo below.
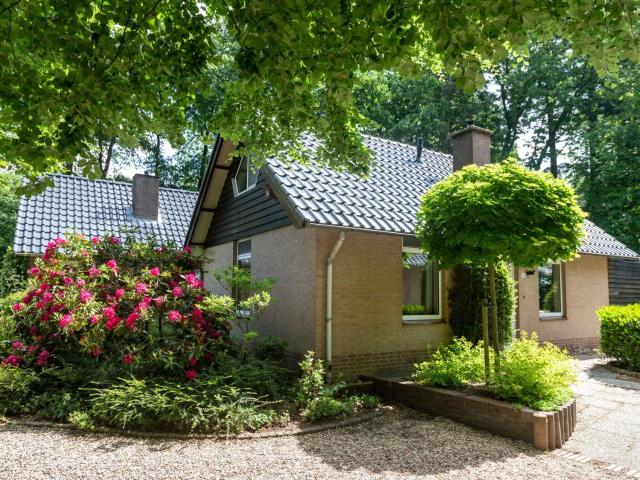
[204,405]
[411,309]
[317,401]
[264,376]
[535,375]
[459,363]
[7,322]
[620,334]
[16,388]
[13,272]
[470,286]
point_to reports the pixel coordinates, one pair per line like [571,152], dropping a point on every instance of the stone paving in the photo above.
[608,426]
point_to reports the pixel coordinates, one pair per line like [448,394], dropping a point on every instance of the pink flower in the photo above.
[94,319]
[128,359]
[216,334]
[141,288]
[43,358]
[118,294]
[96,351]
[85,296]
[112,265]
[93,272]
[143,305]
[112,323]
[174,316]
[47,297]
[80,282]
[158,301]
[115,240]
[191,373]
[154,271]
[131,320]
[33,331]
[27,298]
[13,360]
[34,271]
[65,320]
[17,345]
[32,349]
[16,307]
[108,312]
[187,249]
[67,280]
[177,292]
[95,240]
[192,362]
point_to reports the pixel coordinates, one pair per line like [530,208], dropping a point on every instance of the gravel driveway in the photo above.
[399,444]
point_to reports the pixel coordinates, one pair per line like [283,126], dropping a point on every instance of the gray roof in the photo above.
[388,200]
[95,208]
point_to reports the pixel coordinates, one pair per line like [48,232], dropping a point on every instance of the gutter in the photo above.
[330,259]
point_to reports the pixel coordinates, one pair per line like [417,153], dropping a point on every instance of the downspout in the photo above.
[332,255]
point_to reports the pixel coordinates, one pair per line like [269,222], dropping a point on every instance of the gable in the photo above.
[244,215]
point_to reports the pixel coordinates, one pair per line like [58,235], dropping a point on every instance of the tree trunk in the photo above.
[485,338]
[494,315]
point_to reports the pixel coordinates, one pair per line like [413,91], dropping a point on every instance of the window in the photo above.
[243,262]
[245,178]
[421,285]
[550,290]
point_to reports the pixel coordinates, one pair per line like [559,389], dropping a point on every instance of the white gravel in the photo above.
[400,444]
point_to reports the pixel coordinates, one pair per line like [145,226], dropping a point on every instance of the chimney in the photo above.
[145,196]
[419,149]
[471,145]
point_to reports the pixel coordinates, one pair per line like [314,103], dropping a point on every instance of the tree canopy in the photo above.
[480,215]
[77,70]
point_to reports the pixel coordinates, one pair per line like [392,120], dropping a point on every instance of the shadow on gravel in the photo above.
[408,442]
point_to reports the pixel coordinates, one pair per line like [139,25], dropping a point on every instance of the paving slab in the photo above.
[608,404]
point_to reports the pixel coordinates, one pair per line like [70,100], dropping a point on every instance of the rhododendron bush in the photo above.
[121,306]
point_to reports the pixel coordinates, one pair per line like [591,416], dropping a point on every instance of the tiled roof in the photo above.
[95,208]
[388,200]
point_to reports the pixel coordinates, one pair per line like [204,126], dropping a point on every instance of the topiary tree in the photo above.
[470,287]
[499,212]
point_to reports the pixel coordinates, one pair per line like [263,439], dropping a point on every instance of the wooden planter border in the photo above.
[544,430]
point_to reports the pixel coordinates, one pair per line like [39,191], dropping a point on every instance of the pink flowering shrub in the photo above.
[118,306]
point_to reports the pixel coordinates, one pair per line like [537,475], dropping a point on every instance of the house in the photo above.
[336,245]
[95,208]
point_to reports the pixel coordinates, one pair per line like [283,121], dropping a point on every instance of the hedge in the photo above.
[620,334]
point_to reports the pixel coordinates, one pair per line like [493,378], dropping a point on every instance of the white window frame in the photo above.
[234,181]
[438,316]
[244,256]
[560,314]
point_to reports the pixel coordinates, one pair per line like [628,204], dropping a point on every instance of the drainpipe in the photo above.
[333,254]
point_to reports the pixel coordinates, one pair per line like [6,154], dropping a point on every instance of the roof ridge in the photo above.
[116,182]
[404,144]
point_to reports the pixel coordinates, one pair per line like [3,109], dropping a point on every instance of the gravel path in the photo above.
[400,444]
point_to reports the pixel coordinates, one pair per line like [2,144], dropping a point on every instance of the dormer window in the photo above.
[245,178]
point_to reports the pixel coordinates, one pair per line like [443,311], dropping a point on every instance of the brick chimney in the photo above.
[146,194]
[471,145]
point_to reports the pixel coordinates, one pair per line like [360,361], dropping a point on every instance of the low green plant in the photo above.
[7,322]
[411,309]
[204,405]
[620,334]
[535,375]
[459,363]
[16,388]
[317,400]
[82,420]
[266,377]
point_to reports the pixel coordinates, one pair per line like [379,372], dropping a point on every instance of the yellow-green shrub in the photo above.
[620,334]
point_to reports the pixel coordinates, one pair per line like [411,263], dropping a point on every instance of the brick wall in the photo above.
[586,290]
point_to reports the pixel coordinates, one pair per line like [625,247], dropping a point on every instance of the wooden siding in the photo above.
[624,281]
[245,215]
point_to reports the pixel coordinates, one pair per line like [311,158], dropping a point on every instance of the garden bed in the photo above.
[614,367]
[544,430]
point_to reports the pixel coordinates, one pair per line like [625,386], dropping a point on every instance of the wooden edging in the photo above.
[621,371]
[196,436]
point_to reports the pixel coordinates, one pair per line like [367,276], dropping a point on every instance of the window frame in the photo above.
[234,179]
[238,258]
[430,317]
[553,315]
